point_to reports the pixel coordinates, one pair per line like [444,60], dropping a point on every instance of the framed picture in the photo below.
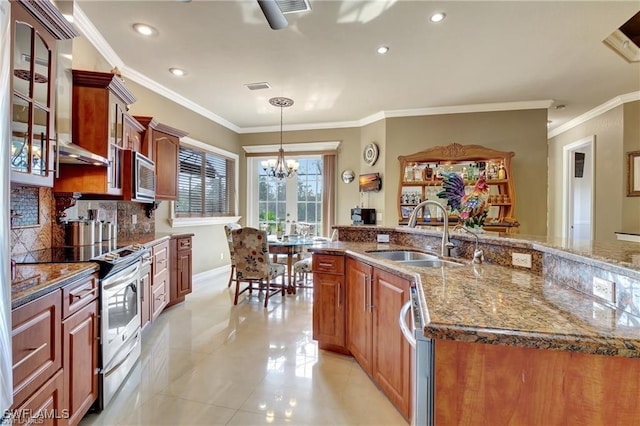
[406,211]
[633,174]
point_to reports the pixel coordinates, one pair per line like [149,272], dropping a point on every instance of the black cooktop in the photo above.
[110,256]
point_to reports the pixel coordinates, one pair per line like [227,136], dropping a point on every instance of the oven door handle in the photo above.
[124,280]
[402,321]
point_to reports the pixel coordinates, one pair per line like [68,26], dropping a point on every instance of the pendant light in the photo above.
[280,168]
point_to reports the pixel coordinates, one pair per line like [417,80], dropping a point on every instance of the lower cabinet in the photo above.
[145,295]
[80,360]
[355,310]
[160,281]
[374,300]
[181,271]
[55,354]
[329,302]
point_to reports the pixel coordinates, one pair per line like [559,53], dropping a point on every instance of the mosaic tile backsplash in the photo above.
[46,232]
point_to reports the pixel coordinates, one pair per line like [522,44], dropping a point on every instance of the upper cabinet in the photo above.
[421,179]
[36,28]
[162,144]
[101,125]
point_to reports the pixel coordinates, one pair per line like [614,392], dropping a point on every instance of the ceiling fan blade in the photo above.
[274,15]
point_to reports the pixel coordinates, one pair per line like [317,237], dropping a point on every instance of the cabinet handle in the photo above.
[57,159]
[339,298]
[325,265]
[364,293]
[370,294]
[82,293]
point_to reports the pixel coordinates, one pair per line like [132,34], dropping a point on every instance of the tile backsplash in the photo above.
[130,219]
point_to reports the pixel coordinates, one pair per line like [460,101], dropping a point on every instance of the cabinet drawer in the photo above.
[328,264]
[160,257]
[184,243]
[37,340]
[160,294]
[78,294]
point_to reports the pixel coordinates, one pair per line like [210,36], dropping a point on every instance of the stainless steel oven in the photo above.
[423,367]
[120,327]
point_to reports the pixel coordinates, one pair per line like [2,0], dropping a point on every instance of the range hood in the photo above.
[69,153]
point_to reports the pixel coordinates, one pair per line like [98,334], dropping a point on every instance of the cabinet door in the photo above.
[145,299]
[184,273]
[36,339]
[328,310]
[32,101]
[80,360]
[45,406]
[165,154]
[392,353]
[359,312]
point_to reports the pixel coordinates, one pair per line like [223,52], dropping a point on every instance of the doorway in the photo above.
[579,193]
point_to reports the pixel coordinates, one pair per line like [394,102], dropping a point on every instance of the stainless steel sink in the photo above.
[430,263]
[403,255]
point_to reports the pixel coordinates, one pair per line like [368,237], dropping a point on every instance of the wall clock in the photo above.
[370,154]
[348,176]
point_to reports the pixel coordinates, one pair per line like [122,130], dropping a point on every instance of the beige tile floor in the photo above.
[207,362]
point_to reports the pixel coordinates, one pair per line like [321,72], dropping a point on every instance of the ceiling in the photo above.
[483,56]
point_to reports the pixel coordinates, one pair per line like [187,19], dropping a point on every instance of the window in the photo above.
[296,199]
[206,184]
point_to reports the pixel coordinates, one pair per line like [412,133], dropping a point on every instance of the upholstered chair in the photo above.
[227,230]
[253,267]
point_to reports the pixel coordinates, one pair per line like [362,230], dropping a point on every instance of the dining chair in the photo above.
[253,267]
[227,230]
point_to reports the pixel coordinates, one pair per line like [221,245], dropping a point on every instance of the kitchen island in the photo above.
[519,345]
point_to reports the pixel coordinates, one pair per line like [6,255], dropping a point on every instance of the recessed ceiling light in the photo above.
[437,17]
[177,71]
[382,50]
[145,29]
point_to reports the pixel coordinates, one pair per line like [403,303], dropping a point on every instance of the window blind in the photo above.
[205,184]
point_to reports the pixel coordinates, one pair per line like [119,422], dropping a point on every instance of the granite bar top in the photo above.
[495,304]
[37,279]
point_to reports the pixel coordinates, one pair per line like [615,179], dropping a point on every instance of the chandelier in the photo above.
[279,168]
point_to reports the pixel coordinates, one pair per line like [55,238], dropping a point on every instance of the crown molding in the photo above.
[600,109]
[297,147]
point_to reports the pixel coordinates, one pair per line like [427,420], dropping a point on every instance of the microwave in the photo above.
[143,177]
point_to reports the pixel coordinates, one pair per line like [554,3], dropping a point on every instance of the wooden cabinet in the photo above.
[420,180]
[161,143]
[45,406]
[392,353]
[55,353]
[37,344]
[181,271]
[374,300]
[35,28]
[132,133]
[329,302]
[160,283]
[80,356]
[359,313]
[146,278]
[100,102]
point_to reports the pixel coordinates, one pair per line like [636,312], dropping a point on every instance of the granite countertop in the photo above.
[495,304]
[37,279]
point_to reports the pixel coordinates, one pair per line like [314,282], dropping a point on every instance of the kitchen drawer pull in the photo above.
[82,293]
[325,265]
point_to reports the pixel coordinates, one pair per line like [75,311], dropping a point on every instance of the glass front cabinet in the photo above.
[36,26]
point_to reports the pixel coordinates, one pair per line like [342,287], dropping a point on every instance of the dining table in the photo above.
[291,247]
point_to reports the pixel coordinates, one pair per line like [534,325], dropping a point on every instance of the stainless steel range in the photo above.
[119,316]
[119,305]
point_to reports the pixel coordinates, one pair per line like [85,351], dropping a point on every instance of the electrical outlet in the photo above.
[604,289]
[603,316]
[521,259]
[383,238]
[378,217]
[134,219]
[221,255]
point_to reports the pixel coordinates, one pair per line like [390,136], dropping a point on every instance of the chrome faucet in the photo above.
[478,255]
[413,218]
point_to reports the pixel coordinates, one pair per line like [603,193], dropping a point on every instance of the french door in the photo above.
[297,199]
